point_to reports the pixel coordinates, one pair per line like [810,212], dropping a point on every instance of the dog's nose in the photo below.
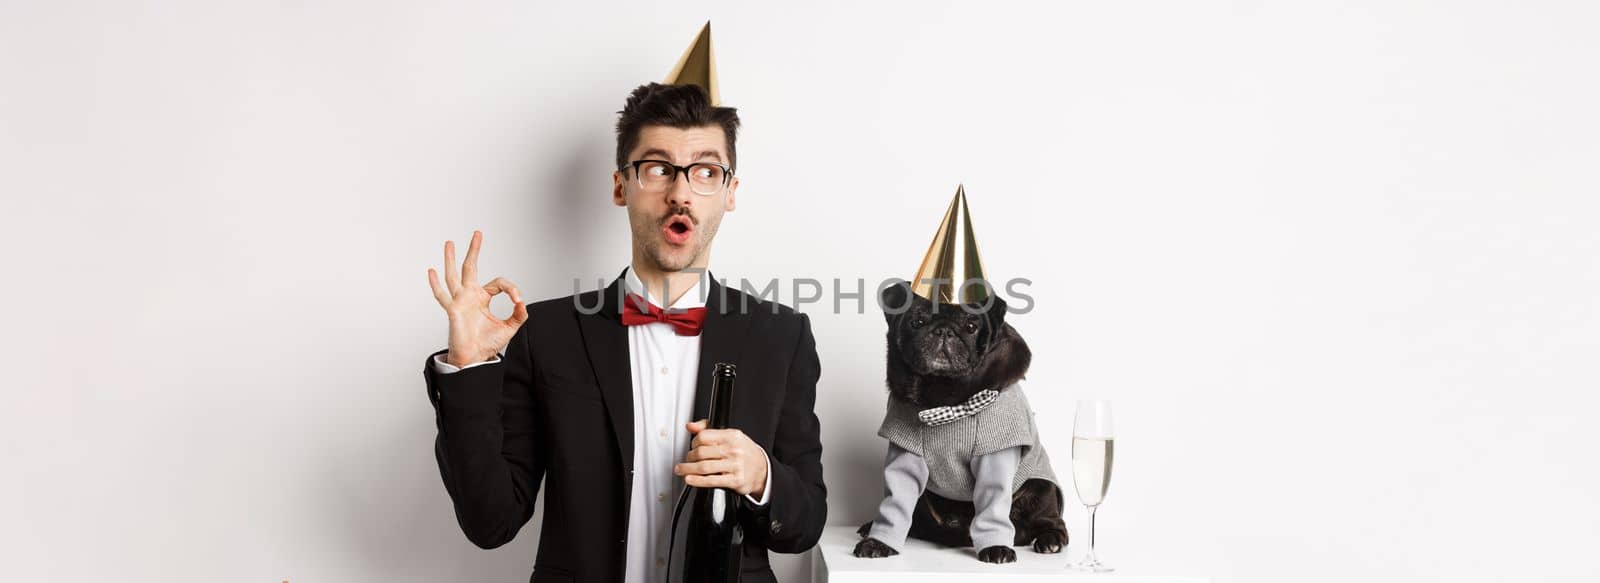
[945,332]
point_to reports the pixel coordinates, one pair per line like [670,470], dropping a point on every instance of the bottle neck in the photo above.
[721,402]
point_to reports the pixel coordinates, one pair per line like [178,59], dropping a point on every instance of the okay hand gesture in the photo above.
[476,334]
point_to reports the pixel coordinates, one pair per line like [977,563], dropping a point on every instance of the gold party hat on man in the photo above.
[698,66]
[953,260]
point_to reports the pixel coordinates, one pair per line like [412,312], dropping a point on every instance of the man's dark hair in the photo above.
[678,106]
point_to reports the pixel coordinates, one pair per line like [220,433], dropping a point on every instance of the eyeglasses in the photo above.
[705,178]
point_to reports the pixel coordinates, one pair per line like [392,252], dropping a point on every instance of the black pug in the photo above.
[944,356]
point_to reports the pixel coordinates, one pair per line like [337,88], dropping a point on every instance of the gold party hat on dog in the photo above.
[698,66]
[952,262]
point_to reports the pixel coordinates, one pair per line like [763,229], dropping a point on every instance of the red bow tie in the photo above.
[685,322]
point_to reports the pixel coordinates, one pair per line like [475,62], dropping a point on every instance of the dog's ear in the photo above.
[996,315]
[895,300]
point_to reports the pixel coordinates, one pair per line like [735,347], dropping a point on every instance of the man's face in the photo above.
[673,228]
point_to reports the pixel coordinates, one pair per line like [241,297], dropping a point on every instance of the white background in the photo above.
[1335,263]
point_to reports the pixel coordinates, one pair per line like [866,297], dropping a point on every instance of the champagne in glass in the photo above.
[1091,468]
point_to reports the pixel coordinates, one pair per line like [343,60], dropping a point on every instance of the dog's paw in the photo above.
[871,548]
[996,554]
[1050,541]
[865,528]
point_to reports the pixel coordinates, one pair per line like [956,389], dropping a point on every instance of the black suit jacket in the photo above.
[558,407]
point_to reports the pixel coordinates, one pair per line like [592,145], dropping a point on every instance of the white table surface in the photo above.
[924,562]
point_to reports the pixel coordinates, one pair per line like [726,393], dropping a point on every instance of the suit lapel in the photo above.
[721,340]
[606,341]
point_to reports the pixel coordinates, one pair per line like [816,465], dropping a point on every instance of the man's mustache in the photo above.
[679,211]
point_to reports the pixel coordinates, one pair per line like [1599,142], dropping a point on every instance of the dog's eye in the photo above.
[972,326]
[918,322]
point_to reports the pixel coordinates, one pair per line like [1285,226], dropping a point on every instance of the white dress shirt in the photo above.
[664,365]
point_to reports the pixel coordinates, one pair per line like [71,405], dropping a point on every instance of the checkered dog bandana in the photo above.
[942,415]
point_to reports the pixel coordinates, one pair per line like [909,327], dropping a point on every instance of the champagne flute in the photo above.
[1091,469]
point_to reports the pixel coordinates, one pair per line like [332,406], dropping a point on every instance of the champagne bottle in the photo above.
[707,540]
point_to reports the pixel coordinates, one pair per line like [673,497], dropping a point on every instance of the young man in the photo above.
[594,393]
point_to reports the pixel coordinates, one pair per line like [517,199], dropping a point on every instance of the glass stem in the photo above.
[1090,558]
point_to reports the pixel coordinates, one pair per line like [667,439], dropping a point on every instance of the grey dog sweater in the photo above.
[983,458]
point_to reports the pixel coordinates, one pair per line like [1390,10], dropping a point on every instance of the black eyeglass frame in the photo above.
[727,173]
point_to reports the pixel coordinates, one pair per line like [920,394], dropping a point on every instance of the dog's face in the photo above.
[941,340]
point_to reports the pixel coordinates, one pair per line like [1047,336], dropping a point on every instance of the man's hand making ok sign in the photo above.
[475,334]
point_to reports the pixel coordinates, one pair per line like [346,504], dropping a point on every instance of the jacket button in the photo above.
[776,525]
